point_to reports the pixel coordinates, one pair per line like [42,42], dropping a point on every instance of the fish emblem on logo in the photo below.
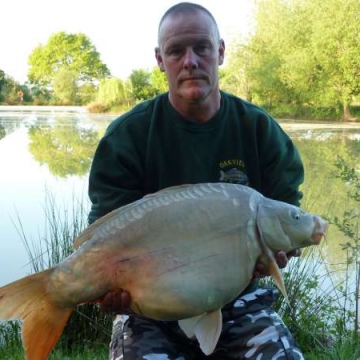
[234,176]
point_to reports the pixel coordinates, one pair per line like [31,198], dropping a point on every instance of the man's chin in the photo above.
[193,94]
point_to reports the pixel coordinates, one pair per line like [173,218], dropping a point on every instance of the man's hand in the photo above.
[115,302]
[282,260]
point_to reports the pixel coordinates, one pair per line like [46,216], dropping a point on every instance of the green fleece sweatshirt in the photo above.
[152,147]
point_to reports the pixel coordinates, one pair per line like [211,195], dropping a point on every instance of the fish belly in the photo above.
[191,286]
[199,262]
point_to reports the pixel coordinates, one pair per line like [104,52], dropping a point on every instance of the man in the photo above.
[195,133]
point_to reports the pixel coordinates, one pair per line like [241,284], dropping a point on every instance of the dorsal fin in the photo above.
[87,234]
[170,188]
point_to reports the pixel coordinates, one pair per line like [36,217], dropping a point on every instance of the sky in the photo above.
[123,32]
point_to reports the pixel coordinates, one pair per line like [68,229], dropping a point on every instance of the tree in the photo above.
[158,80]
[335,44]
[9,90]
[233,77]
[72,52]
[142,88]
[87,93]
[65,87]
[263,55]
[40,94]
[2,79]
[306,51]
[113,92]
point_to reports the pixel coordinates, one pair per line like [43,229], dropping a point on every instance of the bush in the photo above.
[97,108]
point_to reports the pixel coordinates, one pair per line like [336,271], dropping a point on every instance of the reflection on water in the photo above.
[51,151]
[40,152]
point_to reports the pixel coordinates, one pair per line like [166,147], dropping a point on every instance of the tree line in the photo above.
[301,59]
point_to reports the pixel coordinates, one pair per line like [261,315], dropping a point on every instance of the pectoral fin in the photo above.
[276,274]
[269,260]
[188,325]
[206,328]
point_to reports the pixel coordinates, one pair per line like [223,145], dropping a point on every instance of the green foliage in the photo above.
[94,352]
[113,91]
[158,80]
[72,52]
[233,78]
[142,88]
[86,93]
[335,47]
[2,80]
[300,54]
[343,349]
[10,335]
[117,96]
[349,225]
[65,87]
[9,89]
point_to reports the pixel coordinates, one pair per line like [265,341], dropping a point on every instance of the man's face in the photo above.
[190,54]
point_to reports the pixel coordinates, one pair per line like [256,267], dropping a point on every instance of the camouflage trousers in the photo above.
[251,330]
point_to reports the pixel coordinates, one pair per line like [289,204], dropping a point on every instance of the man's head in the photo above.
[190,51]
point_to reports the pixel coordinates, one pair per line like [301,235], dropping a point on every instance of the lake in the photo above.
[46,152]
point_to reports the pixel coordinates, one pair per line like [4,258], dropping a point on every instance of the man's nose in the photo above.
[190,60]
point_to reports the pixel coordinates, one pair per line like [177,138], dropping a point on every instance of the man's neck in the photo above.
[197,111]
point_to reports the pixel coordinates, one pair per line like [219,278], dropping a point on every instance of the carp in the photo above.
[182,253]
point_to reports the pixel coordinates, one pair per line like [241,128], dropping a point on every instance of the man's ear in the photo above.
[159,59]
[221,51]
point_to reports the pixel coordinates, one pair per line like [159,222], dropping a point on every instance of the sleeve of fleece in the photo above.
[115,176]
[283,170]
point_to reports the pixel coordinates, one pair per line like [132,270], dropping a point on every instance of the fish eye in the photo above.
[295,214]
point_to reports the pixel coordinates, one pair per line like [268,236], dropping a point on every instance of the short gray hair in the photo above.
[187,7]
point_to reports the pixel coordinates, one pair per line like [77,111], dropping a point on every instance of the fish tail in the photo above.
[43,320]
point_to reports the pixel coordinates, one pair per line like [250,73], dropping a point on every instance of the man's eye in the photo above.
[202,49]
[174,52]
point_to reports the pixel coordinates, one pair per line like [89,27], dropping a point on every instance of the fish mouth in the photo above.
[320,229]
[316,237]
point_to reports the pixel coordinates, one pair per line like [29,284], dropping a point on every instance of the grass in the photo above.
[91,353]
